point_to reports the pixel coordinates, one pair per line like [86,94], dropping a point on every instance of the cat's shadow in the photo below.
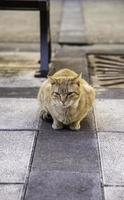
[88,124]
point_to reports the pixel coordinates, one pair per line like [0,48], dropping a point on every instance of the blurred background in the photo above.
[87,37]
[72,21]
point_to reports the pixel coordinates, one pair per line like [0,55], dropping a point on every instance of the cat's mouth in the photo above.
[65,106]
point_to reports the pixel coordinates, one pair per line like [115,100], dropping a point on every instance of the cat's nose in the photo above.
[63,102]
[63,99]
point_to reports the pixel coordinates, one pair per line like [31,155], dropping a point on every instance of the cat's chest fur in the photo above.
[64,115]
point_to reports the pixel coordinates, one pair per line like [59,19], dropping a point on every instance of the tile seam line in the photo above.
[19,130]
[71,172]
[11,183]
[99,157]
[30,166]
[100,131]
[117,186]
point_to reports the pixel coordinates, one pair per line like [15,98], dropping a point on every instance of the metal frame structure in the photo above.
[45,39]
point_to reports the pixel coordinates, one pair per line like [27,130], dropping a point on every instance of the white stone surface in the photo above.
[15,153]
[114,193]
[10,192]
[18,113]
[112,157]
[109,114]
[22,78]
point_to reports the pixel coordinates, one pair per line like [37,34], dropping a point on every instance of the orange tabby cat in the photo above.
[67,98]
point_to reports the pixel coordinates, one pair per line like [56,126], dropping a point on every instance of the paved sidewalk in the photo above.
[48,156]
[59,155]
[38,163]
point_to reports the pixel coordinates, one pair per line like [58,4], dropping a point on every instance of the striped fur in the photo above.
[67,98]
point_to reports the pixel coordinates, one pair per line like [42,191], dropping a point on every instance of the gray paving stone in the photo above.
[19,78]
[15,153]
[114,193]
[112,157]
[19,92]
[78,64]
[56,11]
[68,51]
[113,93]
[64,162]
[58,185]
[10,192]
[99,19]
[18,113]
[66,150]
[62,155]
[109,114]
[72,29]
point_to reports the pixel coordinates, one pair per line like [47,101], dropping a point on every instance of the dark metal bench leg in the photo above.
[49,32]
[44,46]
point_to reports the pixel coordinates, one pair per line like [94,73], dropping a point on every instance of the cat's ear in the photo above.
[51,79]
[77,79]
[80,75]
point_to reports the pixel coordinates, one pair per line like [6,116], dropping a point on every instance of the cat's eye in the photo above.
[56,93]
[70,93]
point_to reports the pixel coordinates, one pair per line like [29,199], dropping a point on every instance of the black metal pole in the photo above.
[44,47]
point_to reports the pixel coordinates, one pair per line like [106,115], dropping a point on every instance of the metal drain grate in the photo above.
[107,70]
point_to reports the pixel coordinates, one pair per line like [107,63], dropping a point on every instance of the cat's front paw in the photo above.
[45,115]
[57,125]
[75,126]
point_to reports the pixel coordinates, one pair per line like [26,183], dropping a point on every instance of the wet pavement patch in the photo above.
[106,70]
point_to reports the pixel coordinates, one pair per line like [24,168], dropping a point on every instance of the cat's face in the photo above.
[65,92]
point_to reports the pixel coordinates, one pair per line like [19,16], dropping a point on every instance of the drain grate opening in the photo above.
[106,70]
